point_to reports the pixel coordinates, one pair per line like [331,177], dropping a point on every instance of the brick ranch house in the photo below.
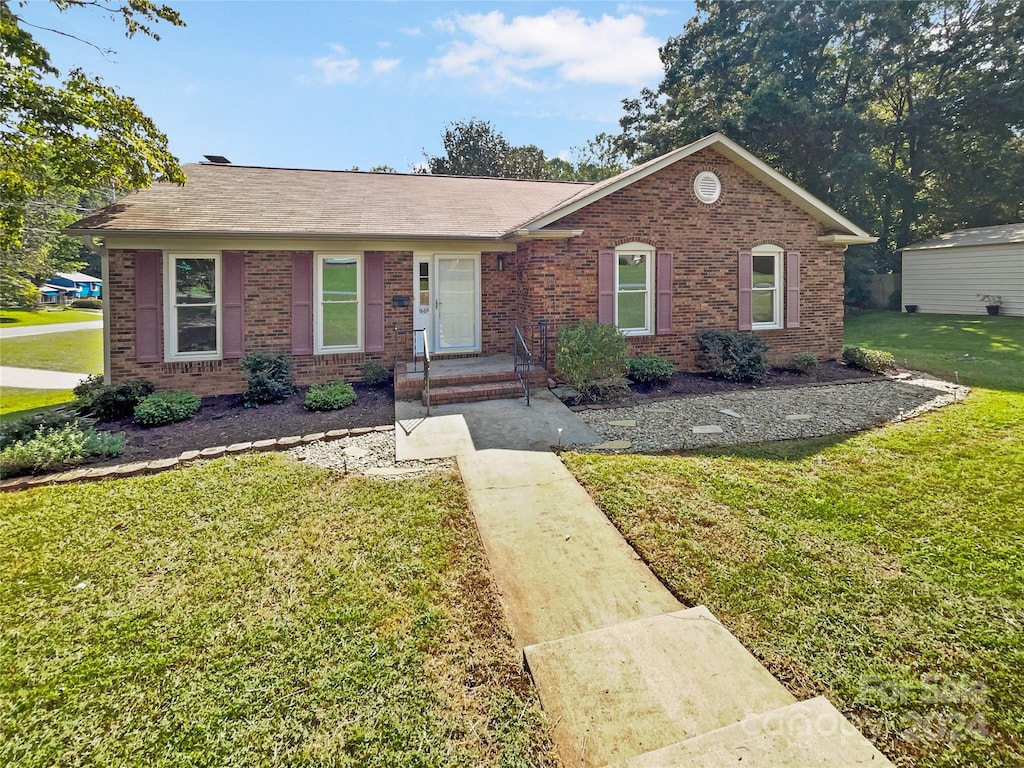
[326,264]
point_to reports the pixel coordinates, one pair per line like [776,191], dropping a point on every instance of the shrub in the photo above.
[269,376]
[24,428]
[330,396]
[109,402]
[375,374]
[650,369]
[804,362]
[734,356]
[87,304]
[166,408]
[591,357]
[874,360]
[56,448]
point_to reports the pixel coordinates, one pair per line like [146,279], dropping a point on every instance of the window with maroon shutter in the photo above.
[302,304]
[664,286]
[606,287]
[148,270]
[746,272]
[792,289]
[373,302]
[233,304]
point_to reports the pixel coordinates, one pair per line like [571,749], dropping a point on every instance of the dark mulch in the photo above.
[694,384]
[224,420]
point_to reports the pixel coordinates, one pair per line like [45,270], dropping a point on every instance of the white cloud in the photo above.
[385,65]
[530,51]
[335,68]
[643,10]
[411,31]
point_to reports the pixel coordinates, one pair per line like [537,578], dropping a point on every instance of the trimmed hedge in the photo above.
[57,448]
[874,360]
[650,369]
[375,374]
[330,396]
[166,408]
[734,356]
[591,357]
[269,375]
[110,402]
[87,304]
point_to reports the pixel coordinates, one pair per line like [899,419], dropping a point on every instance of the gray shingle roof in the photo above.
[277,201]
[999,235]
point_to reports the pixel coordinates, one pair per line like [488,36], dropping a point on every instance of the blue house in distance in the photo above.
[65,287]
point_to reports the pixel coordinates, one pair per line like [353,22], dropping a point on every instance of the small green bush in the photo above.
[804,362]
[375,374]
[110,402]
[57,448]
[874,360]
[24,428]
[650,369]
[166,408]
[269,376]
[87,304]
[734,356]
[591,357]
[330,396]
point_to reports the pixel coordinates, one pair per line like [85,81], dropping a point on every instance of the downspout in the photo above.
[98,246]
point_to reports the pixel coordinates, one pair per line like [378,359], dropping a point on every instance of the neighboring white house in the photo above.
[948,274]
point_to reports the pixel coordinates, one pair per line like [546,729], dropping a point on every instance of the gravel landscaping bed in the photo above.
[372,455]
[732,418]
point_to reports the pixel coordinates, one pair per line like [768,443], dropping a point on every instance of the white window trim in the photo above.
[777,303]
[171,353]
[648,251]
[318,304]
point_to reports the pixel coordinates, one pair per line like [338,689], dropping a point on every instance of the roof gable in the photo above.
[731,151]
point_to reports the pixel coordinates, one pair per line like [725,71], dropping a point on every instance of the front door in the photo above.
[455,303]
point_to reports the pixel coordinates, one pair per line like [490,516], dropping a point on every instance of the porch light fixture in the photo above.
[501,262]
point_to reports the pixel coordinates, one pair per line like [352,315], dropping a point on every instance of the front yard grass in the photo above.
[255,611]
[16,402]
[885,570]
[71,351]
[17,318]
[983,351]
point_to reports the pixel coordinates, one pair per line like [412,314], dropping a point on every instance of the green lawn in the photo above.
[255,611]
[985,351]
[16,402]
[885,570]
[16,318]
[73,351]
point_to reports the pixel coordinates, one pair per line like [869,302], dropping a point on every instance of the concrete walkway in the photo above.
[36,330]
[625,673]
[35,378]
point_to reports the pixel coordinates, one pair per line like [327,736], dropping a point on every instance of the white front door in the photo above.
[456,303]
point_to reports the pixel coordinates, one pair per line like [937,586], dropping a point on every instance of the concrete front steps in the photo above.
[680,690]
[464,380]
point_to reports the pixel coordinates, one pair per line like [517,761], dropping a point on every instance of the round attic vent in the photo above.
[707,187]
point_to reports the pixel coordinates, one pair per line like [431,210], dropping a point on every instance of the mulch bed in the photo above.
[695,384]
[224,420]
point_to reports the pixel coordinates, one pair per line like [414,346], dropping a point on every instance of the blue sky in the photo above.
[343,84]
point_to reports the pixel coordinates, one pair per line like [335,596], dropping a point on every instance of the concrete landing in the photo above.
[509,424]
[561,567]
[808,733]
[618,692]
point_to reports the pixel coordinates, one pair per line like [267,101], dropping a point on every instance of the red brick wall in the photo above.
[267,326]
[558,279]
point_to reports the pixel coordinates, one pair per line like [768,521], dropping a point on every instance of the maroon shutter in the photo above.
[373,302]
[746,280]
[232,272]
[302,304]
[663,281]
[606,266]
[792,289]
[148,287]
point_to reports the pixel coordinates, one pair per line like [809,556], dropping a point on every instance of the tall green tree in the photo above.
[70,131]
[476,148]
[905,116]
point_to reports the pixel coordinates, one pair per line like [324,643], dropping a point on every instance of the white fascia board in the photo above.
[846,239]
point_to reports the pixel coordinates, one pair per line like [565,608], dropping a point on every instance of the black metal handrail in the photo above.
[524,360]
[416,358]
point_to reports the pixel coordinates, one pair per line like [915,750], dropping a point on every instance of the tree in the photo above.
[906,117]
[61,132]
[476,148]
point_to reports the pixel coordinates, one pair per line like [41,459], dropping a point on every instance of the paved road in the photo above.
[33,378]
[34,330]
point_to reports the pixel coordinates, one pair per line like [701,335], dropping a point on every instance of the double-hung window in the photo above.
[193,322]
[634,288]
[338,287]
[766,287]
